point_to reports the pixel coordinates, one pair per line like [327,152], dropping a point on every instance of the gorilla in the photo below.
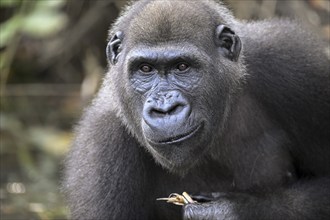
[235,113]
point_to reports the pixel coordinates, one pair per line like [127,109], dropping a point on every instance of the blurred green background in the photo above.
[52,60]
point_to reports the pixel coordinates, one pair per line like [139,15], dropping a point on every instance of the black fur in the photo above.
[258,93]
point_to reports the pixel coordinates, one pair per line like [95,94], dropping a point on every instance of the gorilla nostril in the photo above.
[163,112]
[166,109]
[175,110]
[154,113]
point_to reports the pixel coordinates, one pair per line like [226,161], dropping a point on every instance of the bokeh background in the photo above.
[52,60]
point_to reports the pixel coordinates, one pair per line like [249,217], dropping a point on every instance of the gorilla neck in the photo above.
[250,135]
[245,122]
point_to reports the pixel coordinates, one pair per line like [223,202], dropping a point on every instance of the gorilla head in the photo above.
[174,85]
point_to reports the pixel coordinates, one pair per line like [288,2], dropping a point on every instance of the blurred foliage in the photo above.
[36,18]
[51,61]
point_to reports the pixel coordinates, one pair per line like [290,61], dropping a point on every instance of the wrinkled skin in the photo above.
[194,100]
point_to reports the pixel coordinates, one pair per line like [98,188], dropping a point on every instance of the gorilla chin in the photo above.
[180,149]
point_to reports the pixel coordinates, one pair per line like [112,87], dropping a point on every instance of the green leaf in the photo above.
[8,29]
[49,4]
[9,3]
[44,23]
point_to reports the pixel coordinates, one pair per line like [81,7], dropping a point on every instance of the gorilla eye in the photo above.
[146,68]
[182,67]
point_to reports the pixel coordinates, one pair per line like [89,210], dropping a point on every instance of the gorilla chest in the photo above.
[253,172]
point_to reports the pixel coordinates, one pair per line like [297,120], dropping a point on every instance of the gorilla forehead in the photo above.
[162,21]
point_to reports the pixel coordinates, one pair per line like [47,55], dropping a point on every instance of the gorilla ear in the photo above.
[229,42]
[114,47]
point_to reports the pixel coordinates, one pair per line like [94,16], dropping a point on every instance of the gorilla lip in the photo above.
[178,138]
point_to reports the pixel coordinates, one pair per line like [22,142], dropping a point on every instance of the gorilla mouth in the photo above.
[179,138]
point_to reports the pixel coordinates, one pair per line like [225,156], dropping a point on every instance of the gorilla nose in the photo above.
[166,110]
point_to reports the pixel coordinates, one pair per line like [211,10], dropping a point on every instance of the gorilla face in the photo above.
[173,119]
[175,91]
